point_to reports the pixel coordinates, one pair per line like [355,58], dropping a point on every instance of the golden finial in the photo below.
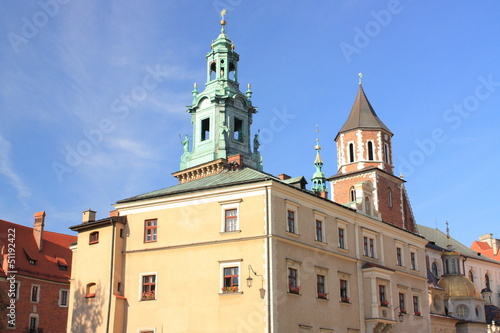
[317,147]
[222,14]
[360,78]
[249,86]
[195,85]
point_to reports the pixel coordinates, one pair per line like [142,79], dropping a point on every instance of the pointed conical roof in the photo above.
[363,116]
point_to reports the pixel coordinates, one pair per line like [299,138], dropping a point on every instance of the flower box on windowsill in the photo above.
[345,300]
[323,295]
[147,296]
[294,290]
[418,313]
[384,303]
[227,290]
[403,311]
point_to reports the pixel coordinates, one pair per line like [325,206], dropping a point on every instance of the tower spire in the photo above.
[222,21]
[319,179]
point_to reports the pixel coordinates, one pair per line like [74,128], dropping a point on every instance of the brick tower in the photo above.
[365,179]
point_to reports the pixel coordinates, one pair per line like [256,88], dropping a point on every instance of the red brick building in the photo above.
[365,179]
[34,278]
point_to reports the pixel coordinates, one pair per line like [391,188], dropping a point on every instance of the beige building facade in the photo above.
[234,249]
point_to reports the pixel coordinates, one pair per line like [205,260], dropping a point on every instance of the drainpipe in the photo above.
[268,248]
[111,275]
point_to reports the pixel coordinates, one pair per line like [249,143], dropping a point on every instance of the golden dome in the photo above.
[458,286]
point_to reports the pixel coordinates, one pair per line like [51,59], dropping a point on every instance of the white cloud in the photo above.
[6,169]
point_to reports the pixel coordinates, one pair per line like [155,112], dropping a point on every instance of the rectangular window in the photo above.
[94,237]
[372,248]
[368,247]
[320,286]
[399,259]
[291,221]
[148,287]
[205,129]
[382,296]
[33,324]
[416,306]
[319,230]
[344,295]
[402,306]
[63,297]
[231,220]
[231,280]
[238,129]
[150,230]
[413,261]
[35,293]
[341,238]
[365,246]
[293,282]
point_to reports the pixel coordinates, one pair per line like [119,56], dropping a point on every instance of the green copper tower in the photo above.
[318,179]
[221,115]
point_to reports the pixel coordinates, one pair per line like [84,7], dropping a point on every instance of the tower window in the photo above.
[471,275]
[435,270]
[352,193]
[368,209]
[351,152]
[213,68]
[386,153]
[238,129]
[232,71]
[205,129]
[487,281]
[370,151]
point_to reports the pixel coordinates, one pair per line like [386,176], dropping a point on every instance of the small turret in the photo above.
[319,179]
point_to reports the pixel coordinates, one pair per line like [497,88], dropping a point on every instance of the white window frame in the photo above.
[37,322]
[18,289]
[318,216]
[37,293]
[342,225]
[370,235]
[323,272]
[228,205]
[294,207]
[413,249]
[400,245]
[60,298]
[226,264]
[139,296]
[294,264]
[346,277]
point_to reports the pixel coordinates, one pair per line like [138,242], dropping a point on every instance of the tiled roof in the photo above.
[55,252]
[440,240]
[225,178]
[363,116]
[485,249]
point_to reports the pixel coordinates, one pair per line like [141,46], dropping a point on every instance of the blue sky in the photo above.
[94,93]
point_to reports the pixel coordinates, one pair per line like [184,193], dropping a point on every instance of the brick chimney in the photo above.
[284,176]
[38,229]
[88,216]
[236,161]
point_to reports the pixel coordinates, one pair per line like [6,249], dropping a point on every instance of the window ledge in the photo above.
[290,293]
[292,234]
[343,249]
[147,299]
[230,232]
[231,293]
[322,299]
[342,302]
[321,243]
